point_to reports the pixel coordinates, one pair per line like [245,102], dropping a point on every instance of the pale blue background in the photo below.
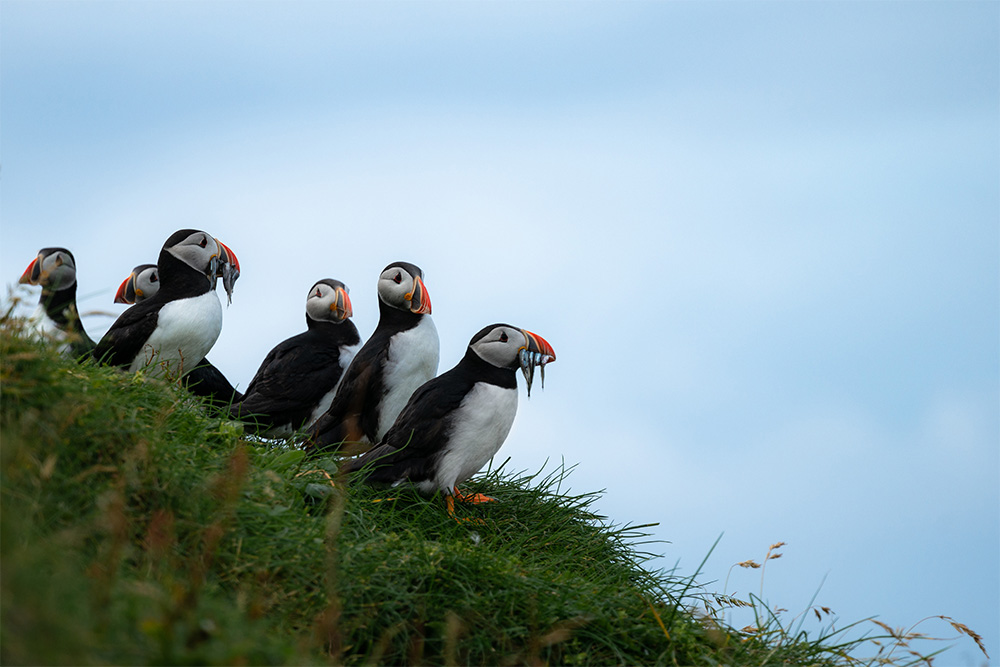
[762,238]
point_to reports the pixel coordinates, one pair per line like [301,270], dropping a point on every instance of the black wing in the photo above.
[208,381]
[293,377]
[411,446]
[352,416]
[124,340]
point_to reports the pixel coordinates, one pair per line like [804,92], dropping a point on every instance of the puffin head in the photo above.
[205,254]
[401,286]
[197,249]
[54,269]
[328,301]
[142,283]
[506,346]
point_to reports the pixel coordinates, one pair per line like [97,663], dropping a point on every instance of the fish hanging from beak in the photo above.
[228,270]
[536,353]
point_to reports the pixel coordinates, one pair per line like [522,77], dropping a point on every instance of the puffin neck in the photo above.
[484,371]
[321,325]
[396,317]
[178,279]
[58,305]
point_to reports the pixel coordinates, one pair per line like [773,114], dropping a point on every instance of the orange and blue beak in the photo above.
[228,269]
[127,291]
[536,352]
[539,346]
[341,306]
[419,298]
[228,257]
[32,274]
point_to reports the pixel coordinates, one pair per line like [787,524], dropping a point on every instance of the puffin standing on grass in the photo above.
[401,355]
[206,380]
[297,380]
[54,269]
[455,423]
[171,332]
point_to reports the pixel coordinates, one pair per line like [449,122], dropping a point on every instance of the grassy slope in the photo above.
[139,530]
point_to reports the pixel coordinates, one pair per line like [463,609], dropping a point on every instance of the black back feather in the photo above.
[208,381]
[354,414]
[411,447]
[124,340]
[296,374]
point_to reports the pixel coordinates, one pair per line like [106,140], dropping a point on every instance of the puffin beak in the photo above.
[419,298]
[229,255]
[228,268]
[127,292]
[214,268]
[341,307]
[31,274]
[538,345]
[536,352]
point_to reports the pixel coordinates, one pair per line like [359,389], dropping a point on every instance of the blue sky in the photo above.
[763,238]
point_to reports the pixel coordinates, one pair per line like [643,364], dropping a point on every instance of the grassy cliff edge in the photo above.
[139,529]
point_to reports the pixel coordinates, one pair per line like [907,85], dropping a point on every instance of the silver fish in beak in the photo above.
[536,353]
[228,269]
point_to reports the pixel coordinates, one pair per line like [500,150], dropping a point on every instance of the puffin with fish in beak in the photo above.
[170,332]
[206,380]
[455,423]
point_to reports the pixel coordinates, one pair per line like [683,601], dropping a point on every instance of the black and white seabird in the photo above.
[142,283]
[298,379]
[455,423]
[54,269]
[401,355]
[172,331]
[205,380]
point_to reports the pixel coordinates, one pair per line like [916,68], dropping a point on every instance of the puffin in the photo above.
[401,355]
[142,283]
[455,423]
[170,332]
[205,380]
[57,315]
[298,379]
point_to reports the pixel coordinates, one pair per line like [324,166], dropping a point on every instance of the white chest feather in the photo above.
[44,326]
[41,323]
[412,361]
[481,424]
[346,356]
[186,330]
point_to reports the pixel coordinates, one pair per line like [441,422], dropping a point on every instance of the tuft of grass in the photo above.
[139,528]
[897,646]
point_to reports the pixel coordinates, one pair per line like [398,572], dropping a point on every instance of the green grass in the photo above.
[139,529]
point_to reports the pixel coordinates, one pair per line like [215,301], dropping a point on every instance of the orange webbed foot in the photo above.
[475,498]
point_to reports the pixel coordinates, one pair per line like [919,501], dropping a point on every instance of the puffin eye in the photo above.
[503,336]
[154,278]
[204,242]
[397,279]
